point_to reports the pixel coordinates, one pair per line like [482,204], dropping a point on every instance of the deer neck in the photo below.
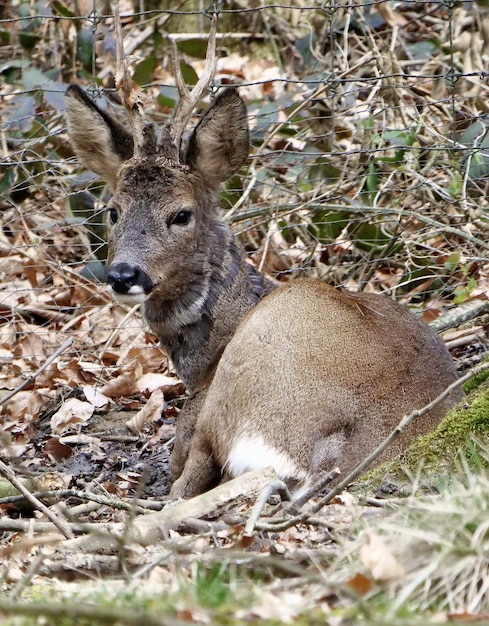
[195,327]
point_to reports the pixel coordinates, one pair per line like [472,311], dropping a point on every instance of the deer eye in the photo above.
[113,215]
[182,218]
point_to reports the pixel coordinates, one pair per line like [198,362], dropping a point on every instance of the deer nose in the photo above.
[123,278]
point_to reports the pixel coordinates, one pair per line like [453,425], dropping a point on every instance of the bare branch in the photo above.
[276,486]
[189,98]
[33,377]
[60,523]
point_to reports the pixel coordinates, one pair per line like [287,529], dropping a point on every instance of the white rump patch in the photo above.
[135,295]
[250,452]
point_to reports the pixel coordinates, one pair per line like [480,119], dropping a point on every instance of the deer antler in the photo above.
[128,89]
[189,98]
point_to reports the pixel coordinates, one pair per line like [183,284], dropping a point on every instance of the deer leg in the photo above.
[199,474]
[185,431]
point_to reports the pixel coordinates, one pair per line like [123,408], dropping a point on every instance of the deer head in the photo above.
[163,200]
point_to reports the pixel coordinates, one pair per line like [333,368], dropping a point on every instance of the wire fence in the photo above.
[368,168]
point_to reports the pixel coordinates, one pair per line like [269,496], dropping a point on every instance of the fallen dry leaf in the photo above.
[150,412]
[380,561]
[150,382]
[57,450]
[360,584]
[71,413]
[95,396]
[25,407]
[467,617]
[123,385]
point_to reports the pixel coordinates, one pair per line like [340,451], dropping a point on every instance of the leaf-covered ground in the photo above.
[368,169]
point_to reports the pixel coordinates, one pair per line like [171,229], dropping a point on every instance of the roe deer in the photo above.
[302,377]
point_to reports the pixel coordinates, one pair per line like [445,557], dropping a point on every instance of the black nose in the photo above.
[122,276]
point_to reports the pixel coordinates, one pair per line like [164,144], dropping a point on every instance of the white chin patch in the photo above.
[250,452]
[135,295]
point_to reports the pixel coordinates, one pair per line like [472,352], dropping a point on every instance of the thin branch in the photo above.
[142,506]
[33,377]
[277,486]
[60,524]
[315,488]
[34,526]
[92,612]
[32,570]
[461,314]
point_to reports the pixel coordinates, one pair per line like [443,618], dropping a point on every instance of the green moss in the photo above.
[440,450]
[476,381]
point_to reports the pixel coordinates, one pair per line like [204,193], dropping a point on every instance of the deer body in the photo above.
[302,377]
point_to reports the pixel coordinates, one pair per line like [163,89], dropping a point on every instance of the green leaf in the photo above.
[61,9]
[33,78]
[463,292]
[399,137]
[143,72]
[167,97]
[189,74]
[84,48]
[193,47]
[327,226]
[473,133]
[368,236]
[372,183]
[22,114]
[20,190]
[6,180]
[17,63]
[28,41]
[305,47]
[54,95]
[323,170]
[452,262]
[95,270]
[479,166]
[266,116]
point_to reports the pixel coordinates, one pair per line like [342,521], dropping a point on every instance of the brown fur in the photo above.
[306,376]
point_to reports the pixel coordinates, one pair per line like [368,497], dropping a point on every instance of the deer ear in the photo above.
[100,142]
[220,142]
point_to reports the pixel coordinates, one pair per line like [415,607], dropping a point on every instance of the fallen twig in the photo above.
[33,377]
[141,506]
[60,523]
[148,529]
[315,488]
[460,314]
[277,486]
[30,525]
[32,570]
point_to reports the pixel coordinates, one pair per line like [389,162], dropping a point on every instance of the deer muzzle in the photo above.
[129,283]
